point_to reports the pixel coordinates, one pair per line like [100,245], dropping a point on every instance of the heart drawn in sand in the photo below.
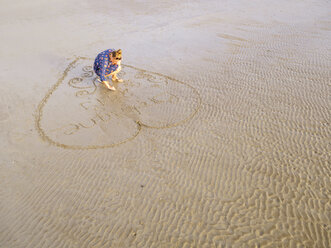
[80,113]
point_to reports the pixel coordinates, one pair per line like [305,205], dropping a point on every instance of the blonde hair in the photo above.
[117,54]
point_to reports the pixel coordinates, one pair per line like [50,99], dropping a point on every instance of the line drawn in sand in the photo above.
[76,114]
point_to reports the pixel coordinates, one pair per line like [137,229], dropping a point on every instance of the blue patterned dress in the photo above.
[103,65]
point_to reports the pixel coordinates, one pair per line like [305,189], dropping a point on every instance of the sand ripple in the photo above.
[244,161]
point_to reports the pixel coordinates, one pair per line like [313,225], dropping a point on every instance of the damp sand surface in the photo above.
[219,135]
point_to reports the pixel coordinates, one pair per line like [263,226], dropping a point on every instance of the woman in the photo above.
[108,63]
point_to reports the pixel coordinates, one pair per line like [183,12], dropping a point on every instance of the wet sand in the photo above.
[219,135]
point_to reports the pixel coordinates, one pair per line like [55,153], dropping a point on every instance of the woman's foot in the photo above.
[117,80]
[109,86]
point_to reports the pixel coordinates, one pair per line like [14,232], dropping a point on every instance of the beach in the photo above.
[219,135]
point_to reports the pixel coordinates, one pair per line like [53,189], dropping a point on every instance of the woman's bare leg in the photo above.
[115,78]
[114,75]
